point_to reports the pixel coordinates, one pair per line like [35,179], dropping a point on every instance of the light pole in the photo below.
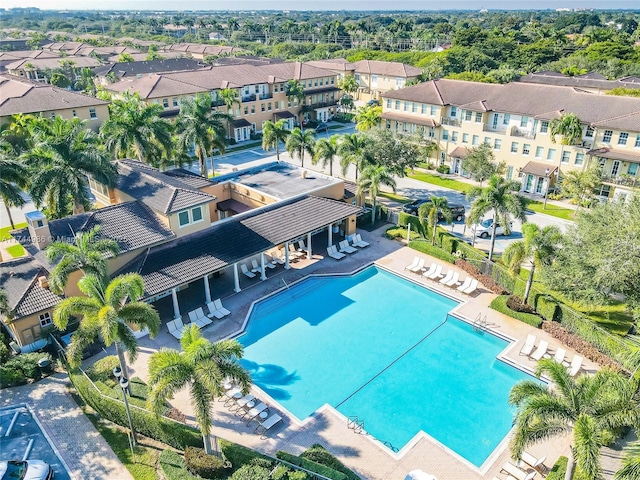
[124,384]
[546,190]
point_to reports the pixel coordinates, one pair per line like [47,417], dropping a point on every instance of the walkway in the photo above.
[83,449]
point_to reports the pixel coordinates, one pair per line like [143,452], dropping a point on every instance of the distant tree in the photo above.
[480,163]
[59,79]
[326,150]
[294,91]
[627,92]
[368,117]
[300,142]
[568,127]
[372,178]
[581,186]
[153,54]
[230,98]
[396,152]
[472,77]
[348,84]
[352,150]
[273,134]
[126,58]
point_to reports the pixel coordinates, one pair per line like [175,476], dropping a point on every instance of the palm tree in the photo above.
[106,310]
[64,153]
[230,98]
[273,134]
[589,406]
[352,152]
[348,84]
[13,177]
[568,126]
[299,142]
[202,128]
[431,211]
[203,367]
[499,197]
[540,246]
[294,91]
[326,150]
[87,254]
[368,117]
[631,464]
[135,129]
[373,176]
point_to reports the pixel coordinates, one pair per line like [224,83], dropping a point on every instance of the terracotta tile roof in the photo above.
[389,69]
[146,67]
[52,63]
[155,86]
[460,152]
[539,169]
[415,119]
[614,154]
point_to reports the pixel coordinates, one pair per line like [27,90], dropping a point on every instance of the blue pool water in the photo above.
[382,348]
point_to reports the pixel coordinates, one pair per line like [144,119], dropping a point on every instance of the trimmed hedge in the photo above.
[499,304]
[311,466]
[317,453]
[250,472]
[174,467]
[405,219]
[547,306]
[399,232]
[435,251]
[19,369]
[486,280]
[237,454]
[203,465]
[559,469]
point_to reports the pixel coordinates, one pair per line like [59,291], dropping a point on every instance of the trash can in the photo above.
[45,365]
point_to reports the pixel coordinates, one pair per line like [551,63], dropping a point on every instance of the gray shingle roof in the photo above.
[127,69]
[162,192]
[189,258]
[19,278]
[588,80]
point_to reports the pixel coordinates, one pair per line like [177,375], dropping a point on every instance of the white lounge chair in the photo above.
[255,268]
[302,247]
[174,330]
[517,473]
[335,254]
[295,253]
[447,277]
[453,281]
[267,424]
[559,356]
[436,274]
[359,242]
[471,288]
[240,403]
[276,257]
[269,262]
[213,311]
[201,319]
[346,248]
[541,350]
[218,304]
[534,462]
[193,316]
[465,284]
[416,261]
[418,268]
[246,271]
[430,270]
[527,348]
[232,396]
[254,412]
[576,365]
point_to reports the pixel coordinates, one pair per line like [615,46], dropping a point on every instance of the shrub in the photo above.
[517,305]
[486,280]
[399,232]
[177,415]
[173,466]
[434,251]
[250,472]
[547,307]
[102,370]
[405,218]
[10,377]
[237,454]
[19,369]
[203,465]
[499,304]
[443,169]
[581,346]
[319,454]
[560,468]
[467,251]
[311,466]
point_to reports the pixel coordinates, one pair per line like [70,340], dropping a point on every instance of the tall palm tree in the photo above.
[568,126]
[299,142]
[273,134]
[631,464]
[201,366]
[13,177]
[500,197]
[87,254]
[352,151]
[430,212]
[106,310]
[589,406]
[326,149]
[348,84]
[294,91]
[200,127]
[230,98]
[373,176]
[64,153]
[539,245]
[368,117]
[135,129]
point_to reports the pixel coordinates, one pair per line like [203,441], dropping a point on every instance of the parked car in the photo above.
[373,103]
[412,208]
[458,211]
[25,470]
[484,228]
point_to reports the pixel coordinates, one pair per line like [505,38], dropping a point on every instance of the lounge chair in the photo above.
[447,277]
[437,273]
[418,268]
[346,248]
[269,262]
[541,350]
[576,365]
[254,412]
[527,348]
[559,356]
[255,267]
[430,270]
[276,257]
[174,330]
[201,319]
[472,288]
[517,473]
[465,284]
[246,271]
[359,242]
[267,424]
[453,281]
[302,247]
[295,253]
[232,396]
[240,403]
[192,316]
[534,462]
[333,253]
[213,311]
[218,304]
[416,261]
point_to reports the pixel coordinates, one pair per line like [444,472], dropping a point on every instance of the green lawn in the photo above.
[4,231]
[16,251]
[553,210]
[442,182]
[394,197]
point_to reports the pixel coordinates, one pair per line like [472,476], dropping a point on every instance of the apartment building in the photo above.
[39,69]
[515,120]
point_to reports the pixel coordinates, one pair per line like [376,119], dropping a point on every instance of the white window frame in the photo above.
[190,220]
[623,138]
[92,114]
[45,319]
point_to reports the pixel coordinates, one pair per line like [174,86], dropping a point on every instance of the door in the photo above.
[615,168]
[495,121]
[456,165]
[539,184]
[528,183]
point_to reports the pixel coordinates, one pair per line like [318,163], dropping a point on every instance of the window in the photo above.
[196,214]
[467,115]
[478,117]
[526,149]
[506,119]
[174,100]
[633,169]
[637,141]
[539,152]
[92,113]
[454,111]
[465,138]
[98,187]
[607,136]
[604,190]
[509,172]
[357,77]
[622,139]
[333,80]
[432,132]
[262,107]
[566,156]
[433,110]
[524,121]
[423,109]
[551,154]
[187,217]
[45,319]
[514,147]
[74,113]
[445,135]
[487,140]
[406,106]
[544,127]
[475,140]
[253,109]
[579,159]
[374,80]
[497,144]
[454,136]
[399,82]
[269,106]
[321,81]
[589,132]
[246,110]
[315,82]
[389,103]
[183,218]
[53,115]
[414,107]
[165,102]
[397,104]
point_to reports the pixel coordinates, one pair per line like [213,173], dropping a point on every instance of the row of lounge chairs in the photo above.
[249,408]
[542,350]
[450,279]
[344,247]
[274,258]
[197,316]
[525,469]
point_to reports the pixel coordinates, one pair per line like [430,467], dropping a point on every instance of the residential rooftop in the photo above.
[19,278]
[587,80]
[129,69]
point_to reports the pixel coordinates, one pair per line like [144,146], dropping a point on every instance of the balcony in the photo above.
[329,103]
[588,144]
[264,96]
[490,128]
[622,180]
[516,132]
[249,98]
[452,122]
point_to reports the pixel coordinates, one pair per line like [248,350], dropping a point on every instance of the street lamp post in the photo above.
[124,384]
[546,190]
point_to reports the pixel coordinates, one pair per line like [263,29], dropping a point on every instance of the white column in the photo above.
[207,289]
[176,306]
[309,254]
[286,256]
[330,235]
[263,275]
[236,280]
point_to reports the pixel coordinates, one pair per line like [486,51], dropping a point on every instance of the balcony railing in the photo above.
[249,98]
[490,128]
[516,132]
[264,96]
[329,103]
[585,144]
[623,180]
[452,122]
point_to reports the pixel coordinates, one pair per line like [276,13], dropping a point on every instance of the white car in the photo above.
[484,228]
[25,470]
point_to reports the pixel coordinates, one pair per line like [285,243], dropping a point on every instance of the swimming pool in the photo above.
[385,349]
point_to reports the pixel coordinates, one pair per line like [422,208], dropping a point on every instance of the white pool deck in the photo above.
[359,451]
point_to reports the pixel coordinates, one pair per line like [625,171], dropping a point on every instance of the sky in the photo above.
[320,4]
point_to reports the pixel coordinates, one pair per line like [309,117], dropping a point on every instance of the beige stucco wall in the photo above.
[174,225]
[102,114]
[27,329]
